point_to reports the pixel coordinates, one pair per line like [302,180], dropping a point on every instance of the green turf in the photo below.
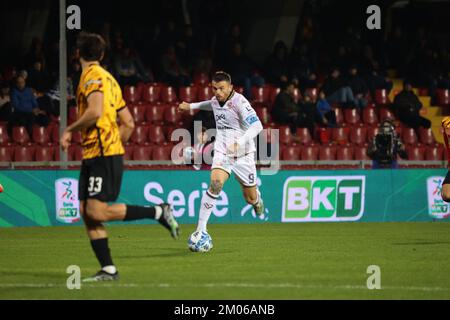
[264,261]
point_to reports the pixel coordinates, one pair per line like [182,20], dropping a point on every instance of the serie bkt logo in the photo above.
[338,198]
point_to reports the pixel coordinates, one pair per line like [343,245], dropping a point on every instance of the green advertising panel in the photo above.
[46,198]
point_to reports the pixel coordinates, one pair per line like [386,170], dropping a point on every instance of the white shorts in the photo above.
[244,167]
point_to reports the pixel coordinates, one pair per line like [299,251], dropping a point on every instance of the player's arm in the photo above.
[126,127]
[89,118]
[204,105]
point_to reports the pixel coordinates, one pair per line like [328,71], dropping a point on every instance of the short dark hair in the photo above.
[221,76]
[91,45]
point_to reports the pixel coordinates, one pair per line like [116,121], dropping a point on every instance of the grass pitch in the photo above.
[264,261]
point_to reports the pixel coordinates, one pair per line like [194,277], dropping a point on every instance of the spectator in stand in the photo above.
[376,79]
[243,70]
[129,68]
[75,74]
[26,108]
[5,103]
[358,86]
[407,107]
[307,115]
[277,65]
[285,110]
[38,79]
[173,72]
[326,115]
[336,90]
[35,53]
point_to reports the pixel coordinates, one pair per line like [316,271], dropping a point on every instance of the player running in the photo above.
[445,193]
[99,100]
[234,149]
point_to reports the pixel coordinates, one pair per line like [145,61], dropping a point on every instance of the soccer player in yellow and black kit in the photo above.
[100,102]
[445,193]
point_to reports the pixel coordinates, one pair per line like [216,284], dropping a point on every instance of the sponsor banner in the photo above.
[47,198]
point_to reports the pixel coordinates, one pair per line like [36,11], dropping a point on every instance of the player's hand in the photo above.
[232,149]
[65,140]
[184,106]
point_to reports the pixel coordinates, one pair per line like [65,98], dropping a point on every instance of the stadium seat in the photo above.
[151,93]
[381,97]
[434,153]
[327,153]
[344,153]
[156,134]
[339,116]
[426,136]
[409,136]
[261,94]
[442,97]
[312,92]
[139,135]
[369,116]
[290,153]
[188,94]
[24,153]
[168,95]
[339,135]
[40,135]
[6,153]
[309,153]
[351,116]
[371,132]
[358,135]
[155,113]
[129,148]
[285,135]
[360,153]
[204,93]
[324,135]
[171,115]
[75,153]
[297,95]
[138,113]
[303,136]
[72,115]
[239,89]
[142,153]
[54,133]
[20,135]
[385,113]
[273,94]
[76,137]
[4,137]
[263,114]
[44,154]
[415,153]
[161,152]
[201,79]
[131,94]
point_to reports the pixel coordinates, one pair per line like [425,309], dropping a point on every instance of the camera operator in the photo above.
[385,146]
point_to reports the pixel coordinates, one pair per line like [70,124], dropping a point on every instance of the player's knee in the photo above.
[216,186]
[95,214]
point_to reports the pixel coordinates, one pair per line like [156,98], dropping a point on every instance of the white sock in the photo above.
[158,212]
[110,269]
[206,207]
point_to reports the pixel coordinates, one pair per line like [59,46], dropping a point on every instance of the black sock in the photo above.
[138,213]
[101,249]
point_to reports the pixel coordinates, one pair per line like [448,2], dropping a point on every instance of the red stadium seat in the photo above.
[168,95]
[360,153]
[204,93]
[415,153]
[309,153]
[358,135]
[442,97]
[40,135]
[75,153]
[54,133]
[369,116]
[188,94]
[344,153]
[156,134]
[263,114]
[20,135]
[201,79]
[303,136]
[426,136]
[239,89]
[129,148]
[44,154]
[371,132]
[131,94]
[138,113]
[381,97]
[285,135]
[24,153]
[290,153]
[142,153]
[351,116]
[161,153]
[386,114]
[139,135]
[434,153]
[327,153]
[324,135]
[312,92]
[339,116]
[72,115]
[297,95]
[4,137]
[409,136]
[172,115]
[261,94]
[6,153]
[273,94]
[77,138]
[151,93]
[155,114]
[339,135]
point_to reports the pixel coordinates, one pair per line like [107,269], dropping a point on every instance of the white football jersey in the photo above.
[232,121]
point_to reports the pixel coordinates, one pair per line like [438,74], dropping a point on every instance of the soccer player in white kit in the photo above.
[234,148]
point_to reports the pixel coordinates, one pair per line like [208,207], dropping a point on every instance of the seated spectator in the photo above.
[336,90]
[173,72]
[242,70]
[359,87]
[407,107]
[307,114]
[5,103]
[285,110]
[277,65]
[26,109]
[376,79]
[38,79]
[129,69]
[326,115]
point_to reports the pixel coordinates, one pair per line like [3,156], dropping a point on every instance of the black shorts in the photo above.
[101,178]
[447,178]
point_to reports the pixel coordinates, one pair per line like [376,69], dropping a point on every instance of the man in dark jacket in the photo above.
[358,86]
[337,91]
[285,110]
[407,107]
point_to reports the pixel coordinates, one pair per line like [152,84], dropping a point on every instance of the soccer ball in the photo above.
[188,152]
[200,241]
